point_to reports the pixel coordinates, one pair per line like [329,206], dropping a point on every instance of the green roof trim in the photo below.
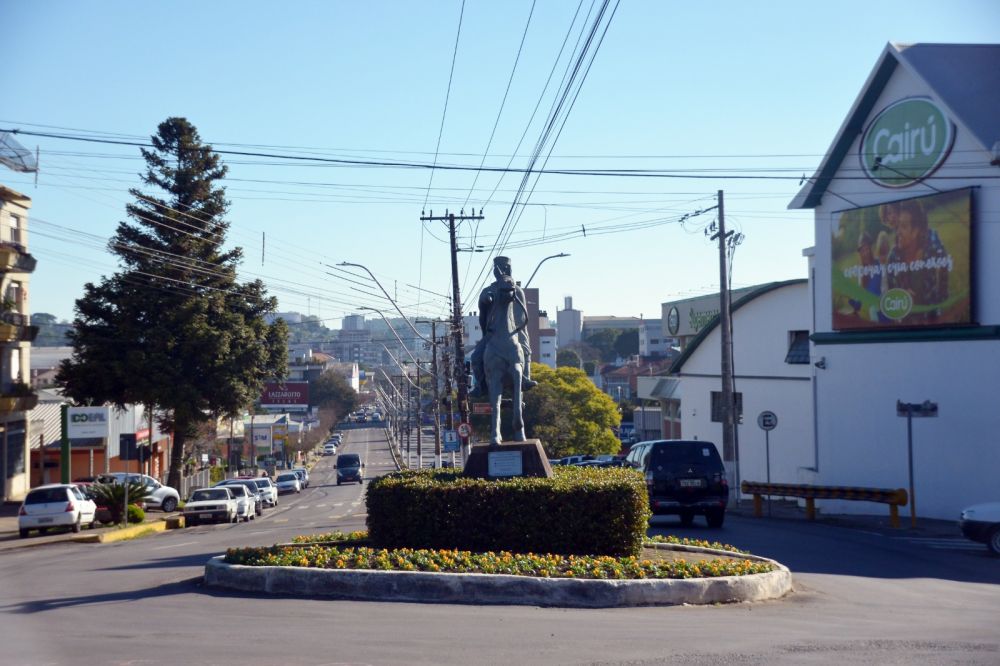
[678,363]
[913,335]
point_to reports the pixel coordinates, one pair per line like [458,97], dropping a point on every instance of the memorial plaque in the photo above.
[504,464]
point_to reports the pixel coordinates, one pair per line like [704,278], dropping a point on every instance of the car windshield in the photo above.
[348,460]
[209,495]
[238,490]
[685,453]
[287,477]
[46,495]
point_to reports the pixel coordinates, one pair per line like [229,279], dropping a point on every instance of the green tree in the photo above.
[331,390]
[173,328]
[567,358]
[627,343]
[569,414]
[604,342]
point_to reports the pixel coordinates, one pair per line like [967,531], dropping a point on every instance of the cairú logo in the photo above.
[906,142]
[896,303]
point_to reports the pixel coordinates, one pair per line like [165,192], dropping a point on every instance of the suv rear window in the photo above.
[46,495]
[684,453]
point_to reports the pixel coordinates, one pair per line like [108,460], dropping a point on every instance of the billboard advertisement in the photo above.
[289,396]
[903,264]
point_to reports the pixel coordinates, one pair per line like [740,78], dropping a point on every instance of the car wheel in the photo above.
[169,505]
[234,519]
[994,542]
[715,517]
[23,533]
[687,518]
[77,526]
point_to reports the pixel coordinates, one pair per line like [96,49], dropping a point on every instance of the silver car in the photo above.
[288,482]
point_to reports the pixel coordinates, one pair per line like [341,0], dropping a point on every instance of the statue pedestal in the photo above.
[507,460]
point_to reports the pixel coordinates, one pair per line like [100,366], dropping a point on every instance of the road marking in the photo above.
[176,545]
[281,520]
[945,543]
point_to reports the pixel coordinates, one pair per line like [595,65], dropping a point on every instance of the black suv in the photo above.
[684,478]
[349,468]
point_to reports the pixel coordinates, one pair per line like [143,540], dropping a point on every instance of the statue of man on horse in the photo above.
[504,352]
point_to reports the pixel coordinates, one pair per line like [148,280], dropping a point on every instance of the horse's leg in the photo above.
[518,417]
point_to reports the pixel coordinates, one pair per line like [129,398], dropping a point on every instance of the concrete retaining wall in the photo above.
[500,589]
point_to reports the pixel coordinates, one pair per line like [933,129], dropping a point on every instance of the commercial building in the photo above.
[569,323]
[17,397]
[904,283]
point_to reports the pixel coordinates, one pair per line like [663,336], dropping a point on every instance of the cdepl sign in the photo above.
[906,142]
[88,422]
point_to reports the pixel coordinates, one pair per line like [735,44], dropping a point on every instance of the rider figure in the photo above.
[490,295]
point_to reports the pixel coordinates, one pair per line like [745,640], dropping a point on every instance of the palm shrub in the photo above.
[112,496]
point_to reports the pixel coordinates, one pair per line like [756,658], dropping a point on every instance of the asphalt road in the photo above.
[861,597]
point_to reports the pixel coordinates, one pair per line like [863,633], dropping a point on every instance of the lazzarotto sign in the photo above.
[906,142]
[291,396]
[87,422]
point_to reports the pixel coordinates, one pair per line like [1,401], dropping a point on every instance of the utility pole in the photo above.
[461,378]
[436,405]
[420,451]
[729,451]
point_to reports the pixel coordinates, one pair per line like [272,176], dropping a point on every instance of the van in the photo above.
[684,478]
[349,468]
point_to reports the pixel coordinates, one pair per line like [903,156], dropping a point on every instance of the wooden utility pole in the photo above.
[729,451]
[461,378]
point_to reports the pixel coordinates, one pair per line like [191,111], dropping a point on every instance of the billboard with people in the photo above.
[903,264]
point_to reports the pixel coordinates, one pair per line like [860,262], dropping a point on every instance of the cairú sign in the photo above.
[906,142]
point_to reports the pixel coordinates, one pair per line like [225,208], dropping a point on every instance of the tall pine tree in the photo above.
[173,328]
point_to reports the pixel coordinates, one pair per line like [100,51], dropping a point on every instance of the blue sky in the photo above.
[749,88]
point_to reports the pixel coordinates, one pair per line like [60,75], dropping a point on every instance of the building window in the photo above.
[798,348]
[717,406]
[15,229]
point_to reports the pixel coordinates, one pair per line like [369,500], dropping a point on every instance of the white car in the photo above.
[211,505]
[329,449]
[267,489]
[981,522]
[160,496]
[246,504]
[55,505]
[288,482]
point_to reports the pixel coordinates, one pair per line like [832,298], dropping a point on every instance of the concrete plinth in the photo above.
[534,462]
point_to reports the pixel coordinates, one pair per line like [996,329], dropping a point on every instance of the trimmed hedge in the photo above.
[580,511]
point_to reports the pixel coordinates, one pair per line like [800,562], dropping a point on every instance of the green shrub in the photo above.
[135,514]
[112,497]
[580,511]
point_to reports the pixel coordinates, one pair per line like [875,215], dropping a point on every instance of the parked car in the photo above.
[329,449]
[981,522]
[266,487]
[252,488]
[55,505]
[210,505]
[160,496]
[349,467]
[684,478]
[246,504]
[303,475]
[288,482]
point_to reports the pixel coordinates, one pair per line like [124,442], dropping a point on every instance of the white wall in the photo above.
[760,343]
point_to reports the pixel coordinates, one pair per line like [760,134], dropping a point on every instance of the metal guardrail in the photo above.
[895,498]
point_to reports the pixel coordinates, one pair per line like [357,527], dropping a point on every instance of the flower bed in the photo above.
[347,551]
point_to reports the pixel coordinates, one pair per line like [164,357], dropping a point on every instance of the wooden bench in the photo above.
[894,498]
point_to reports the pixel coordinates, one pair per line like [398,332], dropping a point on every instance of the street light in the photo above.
[399,339]
[412,327]
[554,256]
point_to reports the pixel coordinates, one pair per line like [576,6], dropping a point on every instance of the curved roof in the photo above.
[757,292]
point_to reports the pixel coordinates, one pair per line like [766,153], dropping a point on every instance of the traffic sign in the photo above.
[449,441]
[767,420]
[464,430]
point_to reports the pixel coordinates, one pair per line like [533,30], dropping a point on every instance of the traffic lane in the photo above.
[808,547]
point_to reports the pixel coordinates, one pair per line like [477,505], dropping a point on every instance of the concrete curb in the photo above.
[122,534]
[423,587]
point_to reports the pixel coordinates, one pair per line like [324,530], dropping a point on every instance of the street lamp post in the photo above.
[554,256]
[388,297]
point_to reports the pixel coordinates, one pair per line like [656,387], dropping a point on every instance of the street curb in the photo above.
[424,587]
[122,534]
